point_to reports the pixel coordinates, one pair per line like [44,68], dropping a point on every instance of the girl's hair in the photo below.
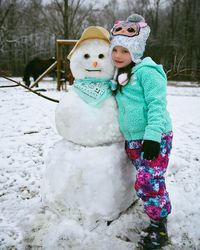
[127,70]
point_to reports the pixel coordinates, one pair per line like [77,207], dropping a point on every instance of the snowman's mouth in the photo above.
[93,70]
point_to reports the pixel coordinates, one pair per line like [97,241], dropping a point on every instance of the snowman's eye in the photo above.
[86,56]
[101,56]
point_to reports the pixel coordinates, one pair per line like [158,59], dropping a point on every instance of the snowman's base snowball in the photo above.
[92,181]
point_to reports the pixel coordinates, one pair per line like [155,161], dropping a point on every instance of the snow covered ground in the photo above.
[27,134]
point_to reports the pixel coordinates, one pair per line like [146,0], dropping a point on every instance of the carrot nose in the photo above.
[94,64]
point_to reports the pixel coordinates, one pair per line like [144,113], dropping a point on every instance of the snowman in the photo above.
[87,172]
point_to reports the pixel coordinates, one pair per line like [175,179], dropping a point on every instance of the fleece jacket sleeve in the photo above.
[154,85]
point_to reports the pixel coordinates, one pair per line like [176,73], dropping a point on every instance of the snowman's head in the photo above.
[90,56]
[91,59]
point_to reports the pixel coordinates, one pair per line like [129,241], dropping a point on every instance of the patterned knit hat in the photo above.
[131,34]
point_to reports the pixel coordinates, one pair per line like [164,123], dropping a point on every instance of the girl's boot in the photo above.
[155,236]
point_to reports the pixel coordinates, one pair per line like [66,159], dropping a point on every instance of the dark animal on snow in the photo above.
[66,73]
[35,68]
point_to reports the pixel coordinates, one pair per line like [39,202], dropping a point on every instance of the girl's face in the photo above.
[121,57]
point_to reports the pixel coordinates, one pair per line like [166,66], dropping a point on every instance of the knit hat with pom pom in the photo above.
[131,34]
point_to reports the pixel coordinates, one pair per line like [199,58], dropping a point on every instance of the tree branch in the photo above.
[5,15]
[60,7]
[18,83]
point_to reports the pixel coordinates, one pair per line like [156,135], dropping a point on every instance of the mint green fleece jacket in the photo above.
[142,103]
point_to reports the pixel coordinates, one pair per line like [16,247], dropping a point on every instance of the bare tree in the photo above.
[5,14]
[29,29]
[68,18]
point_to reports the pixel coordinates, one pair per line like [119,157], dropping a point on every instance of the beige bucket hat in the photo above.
[92,32]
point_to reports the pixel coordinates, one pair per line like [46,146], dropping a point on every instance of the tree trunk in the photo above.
[66,19]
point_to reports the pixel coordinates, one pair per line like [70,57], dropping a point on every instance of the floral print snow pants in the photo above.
[150,183]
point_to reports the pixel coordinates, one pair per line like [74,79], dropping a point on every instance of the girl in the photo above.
[144,121]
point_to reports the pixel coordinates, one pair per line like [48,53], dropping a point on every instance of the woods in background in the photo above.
[29,29]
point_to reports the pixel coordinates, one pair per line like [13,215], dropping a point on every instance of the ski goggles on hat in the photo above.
[127,29]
